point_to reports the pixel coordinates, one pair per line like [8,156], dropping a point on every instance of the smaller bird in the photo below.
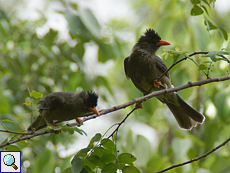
[64,106]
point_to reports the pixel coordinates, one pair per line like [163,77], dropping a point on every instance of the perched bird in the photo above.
[64,106]
[143,67]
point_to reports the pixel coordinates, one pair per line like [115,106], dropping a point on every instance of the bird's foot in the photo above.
[57,131]
[157,84]
[138,106]
[79,121]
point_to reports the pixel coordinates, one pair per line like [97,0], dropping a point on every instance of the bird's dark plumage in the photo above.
[64,106]
[143,67]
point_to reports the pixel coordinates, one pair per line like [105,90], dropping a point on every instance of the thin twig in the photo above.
[209,68]
[197,158]
[186,57]
[119,124]
[14,132]
[224,58]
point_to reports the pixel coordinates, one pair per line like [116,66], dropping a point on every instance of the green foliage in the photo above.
[102,156]
[198,9]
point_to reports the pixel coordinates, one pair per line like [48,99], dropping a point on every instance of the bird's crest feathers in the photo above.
[92,98]
[150,36]
[150,33]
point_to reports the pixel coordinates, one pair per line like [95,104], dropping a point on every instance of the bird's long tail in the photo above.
[186,116]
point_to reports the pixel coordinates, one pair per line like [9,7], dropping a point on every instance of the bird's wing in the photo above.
[162,67]
[126,66]
[52,101]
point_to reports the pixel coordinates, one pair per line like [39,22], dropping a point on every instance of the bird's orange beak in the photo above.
[94,110]
[162,43]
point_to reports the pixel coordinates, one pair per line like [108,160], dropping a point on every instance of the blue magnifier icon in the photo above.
[9,160]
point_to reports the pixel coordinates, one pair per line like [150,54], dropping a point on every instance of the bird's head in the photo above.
[91,101]
[151,40]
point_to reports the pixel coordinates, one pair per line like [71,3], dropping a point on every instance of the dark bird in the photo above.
[143,67]
[64,106]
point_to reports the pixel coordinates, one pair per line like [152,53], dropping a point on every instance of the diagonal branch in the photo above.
[195,159]
[185,58]
[175,63]
[156,93]
[122,106]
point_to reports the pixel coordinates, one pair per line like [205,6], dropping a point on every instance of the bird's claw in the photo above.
[138,106]
[57,131]
[79,121]
[157,84]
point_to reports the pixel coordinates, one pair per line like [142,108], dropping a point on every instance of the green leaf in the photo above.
[223,33]
[36,94]
[96,138]
[175,57]
[195,2]
[176,54]
[108,144]
[7,120]
[87,169]
[202,67]
[109,168]
[209,24]
[130,169]
[105,51]
[77,165]
[74,5]
[49,38]
[108,158]
[71,131]
[83,152]
[205,1]
[94,160]
[80,50]
[90,21]
[126,158]
[196,10]
[89,164]
[205,9]
[80,131]
[212,55]
[27,103]
[99,151]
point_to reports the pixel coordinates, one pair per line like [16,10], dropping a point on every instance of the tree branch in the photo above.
[122,106]
[156,93]
[197,158]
